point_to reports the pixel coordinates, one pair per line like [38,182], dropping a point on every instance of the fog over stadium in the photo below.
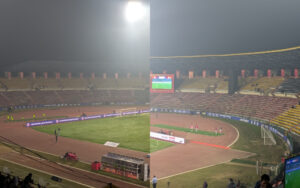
[221,105]
[182,28]
[72,35]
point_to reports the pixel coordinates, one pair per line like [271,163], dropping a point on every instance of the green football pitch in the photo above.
[132,132]
[156,145]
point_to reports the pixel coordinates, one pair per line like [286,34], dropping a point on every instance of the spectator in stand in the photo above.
[264,182]
[231,183]
[2,179]
[278,184]
[28,180]
[16,181]
[8,180]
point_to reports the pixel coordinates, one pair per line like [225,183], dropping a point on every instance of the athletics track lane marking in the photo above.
[207,144]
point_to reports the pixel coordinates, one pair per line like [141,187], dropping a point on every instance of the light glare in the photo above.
[135,11]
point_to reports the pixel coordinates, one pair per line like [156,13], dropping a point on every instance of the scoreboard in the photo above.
[162,83]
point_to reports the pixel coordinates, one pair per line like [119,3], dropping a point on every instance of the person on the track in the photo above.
[154,181]
[56,135]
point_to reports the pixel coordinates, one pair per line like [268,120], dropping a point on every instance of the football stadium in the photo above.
[158,94]
[224,92]
[74,94]
[49,118]
[231,123]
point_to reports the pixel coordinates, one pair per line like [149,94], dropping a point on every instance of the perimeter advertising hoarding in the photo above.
[162,83]
[167,137]
[49,122]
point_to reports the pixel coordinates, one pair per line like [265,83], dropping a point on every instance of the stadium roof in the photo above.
[279,58]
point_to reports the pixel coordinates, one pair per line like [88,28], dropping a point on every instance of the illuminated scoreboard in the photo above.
[162,83]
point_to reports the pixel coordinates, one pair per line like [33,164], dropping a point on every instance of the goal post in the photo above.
[267,136]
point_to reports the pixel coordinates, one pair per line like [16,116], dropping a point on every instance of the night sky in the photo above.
[192,27]
[71,34]
[92,35]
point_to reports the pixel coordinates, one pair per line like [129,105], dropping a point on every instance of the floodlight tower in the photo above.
[135,11]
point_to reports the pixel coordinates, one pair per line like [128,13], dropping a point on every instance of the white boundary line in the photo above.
[251,154]
[46,173]
[194,170]
[238,135]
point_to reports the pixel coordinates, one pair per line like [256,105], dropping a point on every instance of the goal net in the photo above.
[267,135]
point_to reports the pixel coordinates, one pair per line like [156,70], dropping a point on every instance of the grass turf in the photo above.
[132,132]
[250,140]
[208,133]
[216,176]
[156,145]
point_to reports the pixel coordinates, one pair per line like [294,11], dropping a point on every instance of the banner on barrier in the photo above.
[167,137]
[49,122]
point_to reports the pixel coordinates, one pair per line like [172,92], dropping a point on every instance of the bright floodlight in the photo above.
[134,11]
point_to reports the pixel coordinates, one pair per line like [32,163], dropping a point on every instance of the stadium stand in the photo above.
[132,83]
[263,84]
[15,84]
[45,84]
[17,98]
[104,83]
[7,180]
[289,119]
[204,84]
[259,107]
[125,83]
[74,83]
[291,85]
[41,91]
